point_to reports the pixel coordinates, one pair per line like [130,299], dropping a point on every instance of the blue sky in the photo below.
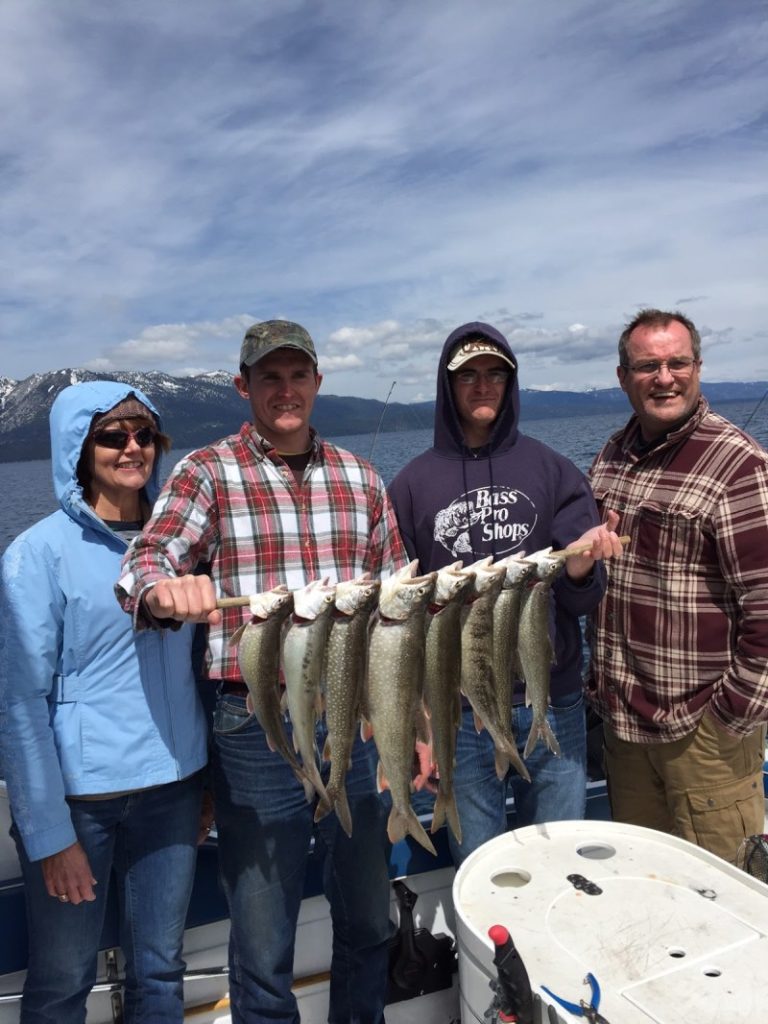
[380,171]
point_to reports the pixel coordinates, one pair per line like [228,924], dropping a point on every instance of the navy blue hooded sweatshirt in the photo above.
[513,494]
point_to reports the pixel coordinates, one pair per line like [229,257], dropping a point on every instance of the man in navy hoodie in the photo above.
[486,489]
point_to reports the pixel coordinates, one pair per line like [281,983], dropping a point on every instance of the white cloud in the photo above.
[380,173]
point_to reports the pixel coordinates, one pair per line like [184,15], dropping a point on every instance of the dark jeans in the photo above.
[265,826]
[149,839]
[557,790]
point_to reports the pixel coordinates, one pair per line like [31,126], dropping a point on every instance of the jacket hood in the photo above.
[70,421]
[449,436]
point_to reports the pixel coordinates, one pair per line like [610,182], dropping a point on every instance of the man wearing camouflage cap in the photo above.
[275,504]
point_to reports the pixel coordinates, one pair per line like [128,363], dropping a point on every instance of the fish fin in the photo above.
[452,813]
[541,731]
[423,732]
[314,777]
[249,703]
[445,808]
[405,822]
[306,782]
[319,705]
[438,812]
[381,779]
[516,762]
[341,805]
[326,751]
[479,724]
[501,760]
[550,739]
[527,696]
[235,638]
[323,808]
[284,702]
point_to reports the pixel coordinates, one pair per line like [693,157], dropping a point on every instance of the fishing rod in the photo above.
[381,420]
[754,411]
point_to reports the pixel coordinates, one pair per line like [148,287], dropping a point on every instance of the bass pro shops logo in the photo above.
[485,520]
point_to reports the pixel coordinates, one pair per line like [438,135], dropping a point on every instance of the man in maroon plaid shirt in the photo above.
[275,504]
[679,667]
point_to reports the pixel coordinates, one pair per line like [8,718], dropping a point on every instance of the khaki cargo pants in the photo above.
[706,787]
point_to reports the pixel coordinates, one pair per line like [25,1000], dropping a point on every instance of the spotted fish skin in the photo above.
[345,663]
[536,656]
[302,657]
[442,685]
[477,670]
[394,691]
[258,655]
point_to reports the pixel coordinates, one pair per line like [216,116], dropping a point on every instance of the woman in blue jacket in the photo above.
[102,736]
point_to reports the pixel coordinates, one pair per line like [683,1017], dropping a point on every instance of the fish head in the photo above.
[487,577]
[315,599]
[354,595]
[452,584]
[518,569]
[271,602]
[407,597]
[547,565]
[390,584]
[549,568]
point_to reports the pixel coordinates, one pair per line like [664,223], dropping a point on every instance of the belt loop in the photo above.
[57,689]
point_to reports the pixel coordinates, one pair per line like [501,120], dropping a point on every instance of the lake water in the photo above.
[27,490]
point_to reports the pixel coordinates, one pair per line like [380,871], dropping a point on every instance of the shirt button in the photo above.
[611,688]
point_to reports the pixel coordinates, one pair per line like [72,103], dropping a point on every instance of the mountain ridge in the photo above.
[201,408]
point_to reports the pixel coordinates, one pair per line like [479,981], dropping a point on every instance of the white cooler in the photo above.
[675,934]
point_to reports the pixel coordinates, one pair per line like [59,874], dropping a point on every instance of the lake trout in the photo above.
[506,620]
[442,685]
[477,675]
[345,662]
[303,654]
[534,647]
[258,655]
[395,677]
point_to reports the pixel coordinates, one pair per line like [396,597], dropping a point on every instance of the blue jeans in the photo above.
[265,826]
[557,790]
[149,840]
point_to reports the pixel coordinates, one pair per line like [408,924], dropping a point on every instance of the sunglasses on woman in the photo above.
[118,439]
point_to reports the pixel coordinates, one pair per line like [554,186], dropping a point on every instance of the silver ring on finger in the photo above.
[63,898]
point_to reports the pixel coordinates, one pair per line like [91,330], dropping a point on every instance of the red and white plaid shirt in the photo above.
[235,506]
[683,627]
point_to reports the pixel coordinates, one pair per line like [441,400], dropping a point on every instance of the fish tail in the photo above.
[540,730]
[404,822]
[512,760]
[341,806]
[438,812]
[445,808]
[306,783]
[313,776]
[324,808]
[501,759]
[336,800]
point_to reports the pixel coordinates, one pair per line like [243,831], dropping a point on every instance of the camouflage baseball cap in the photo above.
[261,339]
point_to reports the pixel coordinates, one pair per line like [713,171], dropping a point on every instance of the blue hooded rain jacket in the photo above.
[87,706]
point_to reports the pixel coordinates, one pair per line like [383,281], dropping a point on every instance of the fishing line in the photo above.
[381,420]
[754,411]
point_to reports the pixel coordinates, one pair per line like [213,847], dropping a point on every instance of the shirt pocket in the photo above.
[669,538]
